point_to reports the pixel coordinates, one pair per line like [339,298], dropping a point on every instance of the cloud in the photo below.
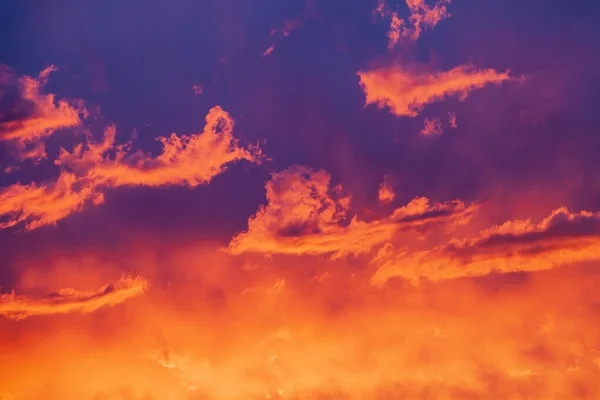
[197,89]
[422,17]
[188,160]
[269,50]
[69,300]
[407,90]
[452,120]
[305,215]
[27,115]
[39,205]
[386,190]
[433,127]
[516,246]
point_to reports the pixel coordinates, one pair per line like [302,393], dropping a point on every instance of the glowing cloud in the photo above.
[406,91]
[386,190]
[422,17]
[27,115]
[515,246]
[433,127]
[18,307]
[188,160]
[304,215]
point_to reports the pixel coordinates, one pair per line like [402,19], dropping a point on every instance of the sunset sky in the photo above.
[299,199]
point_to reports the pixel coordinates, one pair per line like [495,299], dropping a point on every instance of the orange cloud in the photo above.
[28,115]
[305,215]
[422,17]
[386,190]
[406,91]
[188,160]
[38,205]
[18,307]
[516,246]
[433,127]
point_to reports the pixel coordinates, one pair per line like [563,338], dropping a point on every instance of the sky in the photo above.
[302,199]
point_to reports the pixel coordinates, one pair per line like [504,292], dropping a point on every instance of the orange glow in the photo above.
[407,91]
[223,332]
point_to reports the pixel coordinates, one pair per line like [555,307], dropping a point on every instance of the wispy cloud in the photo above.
[188,160]
[432,127]
[27,115]
[407,90]
[69,300]
[516,246]
[422,17]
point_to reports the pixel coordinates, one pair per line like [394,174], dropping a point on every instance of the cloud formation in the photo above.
[406,90]
[432,127]
[386,190]
[188,160]
[304,215]
[422,17]
[27,115]
[515,246]
[69,300]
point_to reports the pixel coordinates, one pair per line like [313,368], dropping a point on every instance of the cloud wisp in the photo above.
[18,307]
[28,116]
[407,90]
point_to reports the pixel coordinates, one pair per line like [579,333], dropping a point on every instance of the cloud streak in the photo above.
[18,307]
[27,115]
[515,246]
[406,91]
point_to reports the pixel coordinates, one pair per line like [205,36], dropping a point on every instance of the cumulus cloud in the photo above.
[69,300]
[188,160]
[305,215]
[27,115]
[407,90]
[515,246]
